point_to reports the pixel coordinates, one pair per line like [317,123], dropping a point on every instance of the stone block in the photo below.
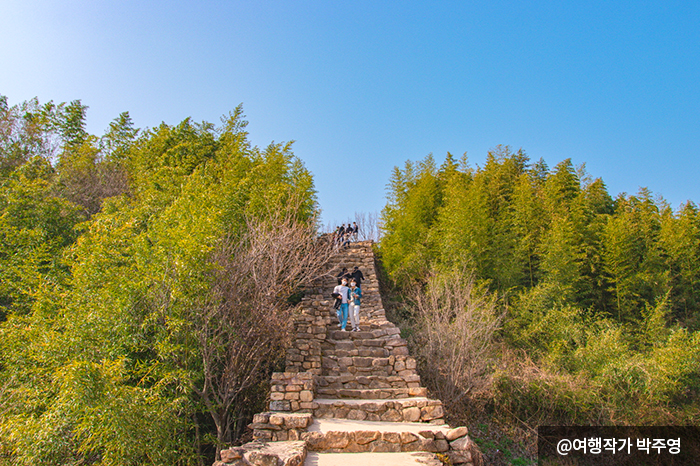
[408,437]
[283,405]
[345,362]
[364,437]
[262,434]
[335,439]
[456,433]
[411,414]
[280,436]
[276,396]
[380,446]
[296,421]
[232,454]
[261,418]
[442,445]
[257,458]
[392,415]
[315,441]
[356,415]
[363,362]
[391,437]
[431,412]
[460,444]
[459,457]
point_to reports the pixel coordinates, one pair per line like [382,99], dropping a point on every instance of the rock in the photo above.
[408,437]
[363,437]
[442,445]
[431,412]
[459,457]
[381,446]
[456,433]
[336,439]
[283,405]
[411,414]
[232,454]
[262,434]
[392,415]
[277,419]
[430,445]
[429,434]
[356,415]
[297,421]
[315,441]
[460,444]
[391,437]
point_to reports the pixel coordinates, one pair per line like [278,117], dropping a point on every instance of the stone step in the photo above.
[371,394]
[315,458]
[349,436]
[355,381]
[413,409]
[288,453]
[387,333]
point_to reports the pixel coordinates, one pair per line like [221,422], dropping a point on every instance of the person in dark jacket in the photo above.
[343,274]
[357,275]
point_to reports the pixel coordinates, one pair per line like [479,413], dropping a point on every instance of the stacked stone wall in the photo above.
[292,391]
[344,391]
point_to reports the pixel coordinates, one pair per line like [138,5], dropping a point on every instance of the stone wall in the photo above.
[292,391]
[345,392]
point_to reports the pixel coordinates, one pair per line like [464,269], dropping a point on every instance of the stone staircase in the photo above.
[350,397]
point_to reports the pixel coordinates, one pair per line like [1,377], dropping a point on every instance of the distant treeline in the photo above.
[599,302]
[144,284]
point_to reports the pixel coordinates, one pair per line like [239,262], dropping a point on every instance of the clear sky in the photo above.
[363,86]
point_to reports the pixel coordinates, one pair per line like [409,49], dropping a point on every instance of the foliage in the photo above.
[599,294]
[124,340]
[456,322]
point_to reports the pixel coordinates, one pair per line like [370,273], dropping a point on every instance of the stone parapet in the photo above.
[275,426]
[259,453]
[292,391]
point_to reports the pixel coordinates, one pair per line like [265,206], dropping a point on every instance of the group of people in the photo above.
[344,234]
[348,294]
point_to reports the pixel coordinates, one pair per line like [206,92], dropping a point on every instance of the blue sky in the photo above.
[364,86]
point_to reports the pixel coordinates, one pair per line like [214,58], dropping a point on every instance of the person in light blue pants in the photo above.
[342,312]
